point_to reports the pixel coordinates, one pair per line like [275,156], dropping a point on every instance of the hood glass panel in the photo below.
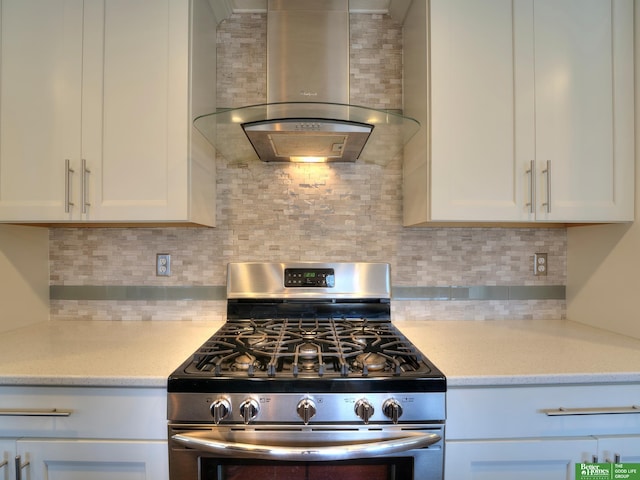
[224,129]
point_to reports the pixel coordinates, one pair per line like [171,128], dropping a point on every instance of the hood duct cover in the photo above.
[307,116]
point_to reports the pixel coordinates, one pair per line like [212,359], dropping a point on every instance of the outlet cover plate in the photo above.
[540,264]
[163,265]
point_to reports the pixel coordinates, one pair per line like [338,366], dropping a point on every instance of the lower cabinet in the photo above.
[7,455]
[65,459]
[530,459]
[58,433]
[533,432]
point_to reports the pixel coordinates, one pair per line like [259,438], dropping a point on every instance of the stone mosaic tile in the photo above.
[242,47]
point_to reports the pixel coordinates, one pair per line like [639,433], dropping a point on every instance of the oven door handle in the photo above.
[320,452]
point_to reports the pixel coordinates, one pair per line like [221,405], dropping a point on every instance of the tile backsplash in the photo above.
[292,212]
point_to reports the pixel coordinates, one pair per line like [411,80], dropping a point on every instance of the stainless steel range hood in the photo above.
[307,116]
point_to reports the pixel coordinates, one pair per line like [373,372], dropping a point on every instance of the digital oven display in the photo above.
[313,277]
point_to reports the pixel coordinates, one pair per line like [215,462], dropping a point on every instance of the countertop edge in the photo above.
[83,381]
[541,380]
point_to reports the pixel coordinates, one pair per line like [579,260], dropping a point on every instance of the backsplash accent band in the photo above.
[490,292]
[219,292]
[133,292]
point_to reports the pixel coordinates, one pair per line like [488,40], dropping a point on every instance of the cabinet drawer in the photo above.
[513,412]
[136,413]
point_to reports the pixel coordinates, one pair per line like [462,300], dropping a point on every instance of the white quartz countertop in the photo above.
[507,352]
[470,353]
[99,353]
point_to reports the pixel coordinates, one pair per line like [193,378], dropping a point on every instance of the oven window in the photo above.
[389,468]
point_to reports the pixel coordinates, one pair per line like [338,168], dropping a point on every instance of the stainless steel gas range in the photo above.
[308,379]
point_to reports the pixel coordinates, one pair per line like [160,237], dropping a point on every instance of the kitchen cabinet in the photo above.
[7,455]
[521,459]
[512,432]
[83,432]
[527,109]
[83,459]
[97,99]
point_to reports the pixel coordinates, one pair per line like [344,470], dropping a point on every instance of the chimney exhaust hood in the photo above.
[307,116]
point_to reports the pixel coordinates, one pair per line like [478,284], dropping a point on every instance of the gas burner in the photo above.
[307,358]
[308,350]
[254,339]
[244,362]
[364,337]
[309,334]
[370,362]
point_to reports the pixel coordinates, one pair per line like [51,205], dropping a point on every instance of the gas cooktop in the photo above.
[308,327]
[304,349]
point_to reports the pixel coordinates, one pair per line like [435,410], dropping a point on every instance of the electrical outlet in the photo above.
[163,264]
[540,264]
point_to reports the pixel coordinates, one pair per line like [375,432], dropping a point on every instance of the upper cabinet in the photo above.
[527,111]
[97,99]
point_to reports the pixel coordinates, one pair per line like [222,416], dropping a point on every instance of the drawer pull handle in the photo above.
[560,412]
[36,412]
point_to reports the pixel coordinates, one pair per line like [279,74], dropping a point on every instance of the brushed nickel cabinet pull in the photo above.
[547,172]
[19,467]
[36,412]
[85,173]
[563,412]
[532,185]
[616,459]
[68,171]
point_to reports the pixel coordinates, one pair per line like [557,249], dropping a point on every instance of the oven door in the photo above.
[319,453]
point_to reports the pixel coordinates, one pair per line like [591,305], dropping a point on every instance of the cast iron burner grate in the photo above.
[307,348]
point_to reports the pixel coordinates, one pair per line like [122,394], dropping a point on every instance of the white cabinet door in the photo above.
[40,107]
[584,109]
[135,109]
[7,456]
[475,172]
[94,459]
[551,459]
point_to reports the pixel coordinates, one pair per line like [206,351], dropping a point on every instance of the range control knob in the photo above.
[392,409]
[306,409]
[249,410]
[220,409]
[364,410]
